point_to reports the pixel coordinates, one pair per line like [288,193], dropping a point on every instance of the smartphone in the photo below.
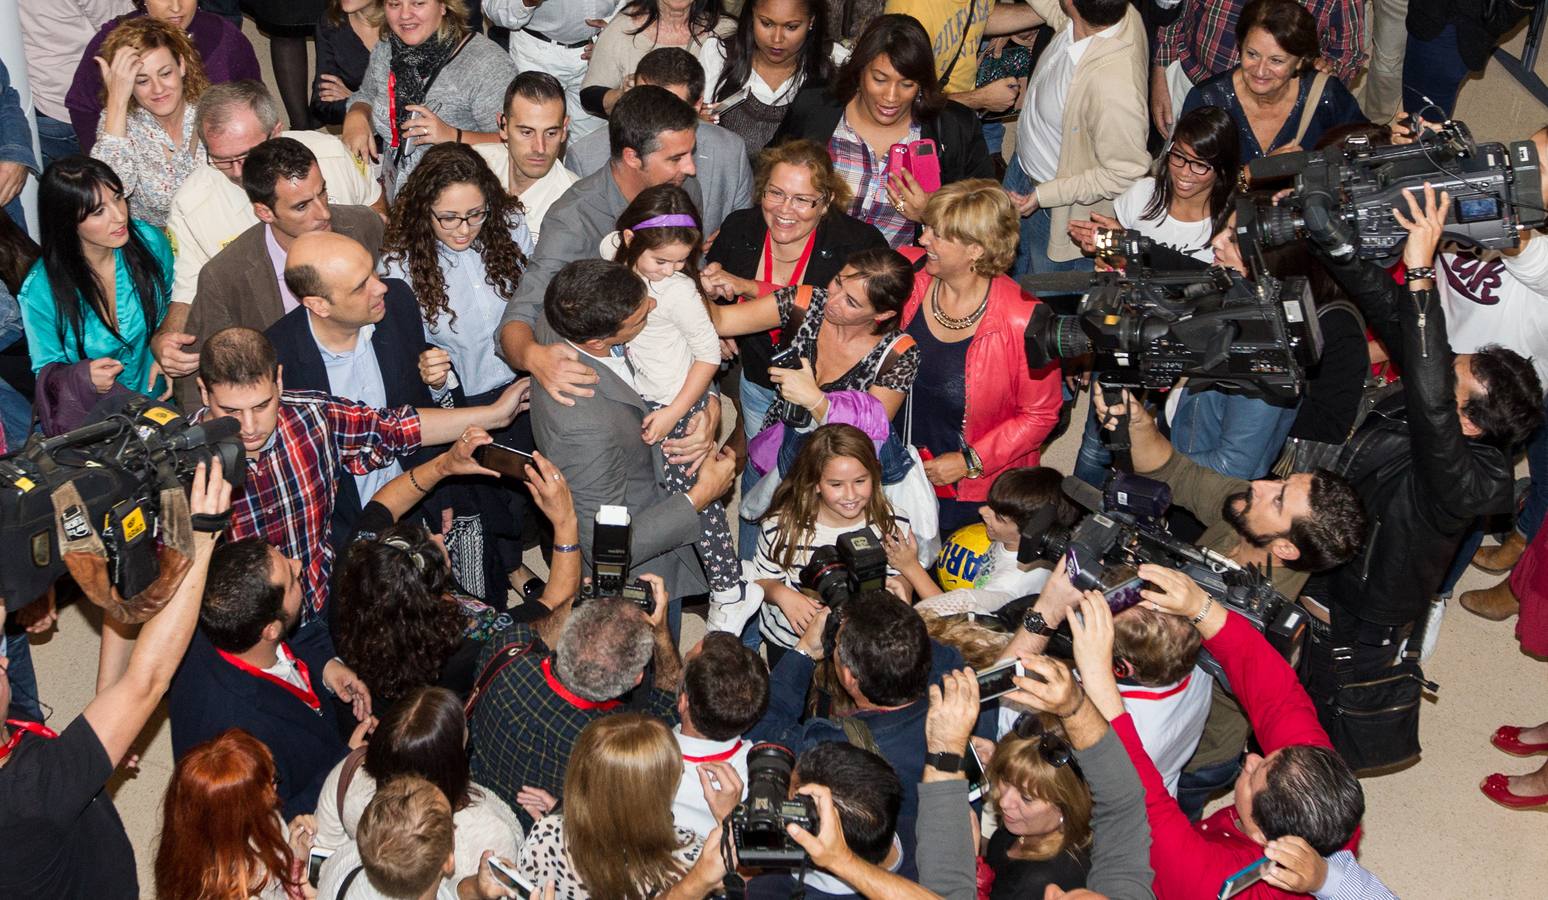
[314,861]
[995,681]
[897,159]
[1241,881]
[509,878]
[788,358]
[973,769]
[925,165]
[503,459]
[1126,592]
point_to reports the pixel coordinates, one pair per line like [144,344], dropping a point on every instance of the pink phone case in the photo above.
[925,165]
[897,160]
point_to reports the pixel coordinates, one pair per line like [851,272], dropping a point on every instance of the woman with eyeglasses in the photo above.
[1044,809]
[797,233]
[154,79]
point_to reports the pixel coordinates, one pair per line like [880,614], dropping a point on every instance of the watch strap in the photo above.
[1034,622]
[944,762]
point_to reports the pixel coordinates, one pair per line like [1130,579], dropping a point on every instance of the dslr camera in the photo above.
[1126,529]
[1344,196]
[1146,329]
[857,562]
[610,561]
[758,822]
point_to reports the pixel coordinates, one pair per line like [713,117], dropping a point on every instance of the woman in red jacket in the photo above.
[975,410]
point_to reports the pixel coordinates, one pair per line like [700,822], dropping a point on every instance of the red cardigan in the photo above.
[1008,412]
[1191,860]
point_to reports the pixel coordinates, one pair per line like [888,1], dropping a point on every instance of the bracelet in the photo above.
[459,136]
[1418,273]
[415,482]
[567,548]
[1203,610]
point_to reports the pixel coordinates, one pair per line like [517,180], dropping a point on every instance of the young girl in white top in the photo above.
[833,487]
[675,357]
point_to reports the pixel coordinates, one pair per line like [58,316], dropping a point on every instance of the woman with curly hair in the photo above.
[221,831]
[460,242]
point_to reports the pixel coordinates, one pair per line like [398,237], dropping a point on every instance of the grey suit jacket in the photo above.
[596,444]
[725,178]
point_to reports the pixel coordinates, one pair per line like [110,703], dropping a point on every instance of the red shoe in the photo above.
[1508,738]
[1497,788]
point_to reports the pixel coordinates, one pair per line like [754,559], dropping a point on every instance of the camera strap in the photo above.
[497,663]
[85,555]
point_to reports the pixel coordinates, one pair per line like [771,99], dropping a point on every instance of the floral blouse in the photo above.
[150,167]
[873,369]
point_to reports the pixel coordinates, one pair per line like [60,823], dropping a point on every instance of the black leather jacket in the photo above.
[1422,480]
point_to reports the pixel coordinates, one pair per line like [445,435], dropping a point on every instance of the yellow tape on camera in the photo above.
[134,524]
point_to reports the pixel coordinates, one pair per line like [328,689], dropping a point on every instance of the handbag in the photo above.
[1374,724]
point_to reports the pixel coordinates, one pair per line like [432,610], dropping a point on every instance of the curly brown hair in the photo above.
[410,239]
[145,34]
[397,624]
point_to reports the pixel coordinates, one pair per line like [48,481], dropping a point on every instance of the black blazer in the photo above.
[398,340]
[739,248]
[955,129]
[209,695]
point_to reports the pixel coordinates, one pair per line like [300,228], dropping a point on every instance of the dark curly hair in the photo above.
[410,239]
[396,626]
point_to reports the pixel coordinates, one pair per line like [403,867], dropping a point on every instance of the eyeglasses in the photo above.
[800,201]
[452,220]
[1196,166]
[225,164]
[1055,750]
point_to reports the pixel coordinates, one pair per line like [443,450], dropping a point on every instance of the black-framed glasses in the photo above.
[452,220]
[1055,750]
[1179,159]
[799,201]
[225,164]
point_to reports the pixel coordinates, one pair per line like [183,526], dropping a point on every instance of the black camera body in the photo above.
[857,562]
[1344,196]
[1147,329]
[120,466]
[1104,551]
[758,822]
[610,561]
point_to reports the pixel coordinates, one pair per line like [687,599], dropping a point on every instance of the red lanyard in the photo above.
[716,757]
[307,696]
[569,696]
[392,107]
[800,266]
[20,727]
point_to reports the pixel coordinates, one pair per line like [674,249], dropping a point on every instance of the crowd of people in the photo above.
[487,275]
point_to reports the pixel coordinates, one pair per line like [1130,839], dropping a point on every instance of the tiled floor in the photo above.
[1429,833]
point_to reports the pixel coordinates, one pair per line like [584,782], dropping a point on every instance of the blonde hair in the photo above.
[337,17]
[1162,649]
[834,189]
[981,647]
[1018,765]
[454,23]
[405,836]
[623,849]
[145,34]
[977,211]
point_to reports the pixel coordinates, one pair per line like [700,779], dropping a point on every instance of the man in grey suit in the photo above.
[724,176]
[651,141]
[595,307]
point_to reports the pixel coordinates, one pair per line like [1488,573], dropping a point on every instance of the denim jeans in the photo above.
[1433,72]
[1237,436]
[1032,254]
[1195,788]
[56,139]
[1094,461]
[756,400]
[25,703]
[1536,503]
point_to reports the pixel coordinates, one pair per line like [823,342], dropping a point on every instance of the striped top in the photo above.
[772,622]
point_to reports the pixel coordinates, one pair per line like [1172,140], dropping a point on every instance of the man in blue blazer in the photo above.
[239,672]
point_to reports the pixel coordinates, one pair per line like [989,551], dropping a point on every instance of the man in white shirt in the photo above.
[211,208]
[533,130]
[725,692]
[554,36]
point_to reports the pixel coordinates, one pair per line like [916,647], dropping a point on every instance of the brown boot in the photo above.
[1495,604]
[1501,559]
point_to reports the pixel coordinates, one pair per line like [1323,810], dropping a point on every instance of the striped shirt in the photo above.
[772,623]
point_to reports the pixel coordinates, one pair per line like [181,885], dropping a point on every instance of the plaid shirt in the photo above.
[1204,37]
[288,498]
[522,729]
[864,172]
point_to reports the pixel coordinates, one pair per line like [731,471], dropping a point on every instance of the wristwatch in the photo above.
[975,466]
[1034,622]
[944,762]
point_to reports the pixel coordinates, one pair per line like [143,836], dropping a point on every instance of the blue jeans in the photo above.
[756,400]
[56,139]
[1433,72]
[1195,788]
[1237,436]
[1536,503]
[24,681]
[1094,461]
[1032,254]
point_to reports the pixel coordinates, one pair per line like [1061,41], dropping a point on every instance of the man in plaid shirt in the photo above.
[1202,43]
[527,718]
[300,443]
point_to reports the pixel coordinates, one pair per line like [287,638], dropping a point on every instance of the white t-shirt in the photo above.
[1502,301]
[1191,238]
[689,808]
[773,624]
[1170,721]
[541,194]
[1040,128]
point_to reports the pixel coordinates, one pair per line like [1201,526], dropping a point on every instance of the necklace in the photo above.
[956,324]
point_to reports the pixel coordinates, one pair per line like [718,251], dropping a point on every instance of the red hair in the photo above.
[220,829]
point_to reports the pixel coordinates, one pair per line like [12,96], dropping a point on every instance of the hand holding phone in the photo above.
[503,459]
[1248,876]
[505,875]
[314,862]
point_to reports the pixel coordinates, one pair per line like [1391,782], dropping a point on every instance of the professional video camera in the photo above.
[610,561]
[758,822]
[1125,529]
[108,502]
[1147,329]
[856,562]
[1344,196]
